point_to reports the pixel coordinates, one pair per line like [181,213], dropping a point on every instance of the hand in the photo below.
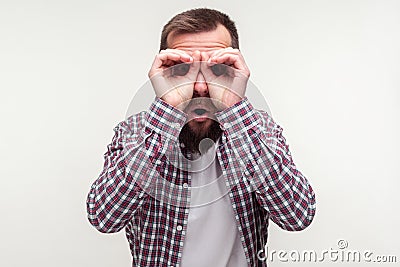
[226,74]
[173,74]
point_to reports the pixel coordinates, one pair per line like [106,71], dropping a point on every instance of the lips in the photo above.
[200,109]
[199,113]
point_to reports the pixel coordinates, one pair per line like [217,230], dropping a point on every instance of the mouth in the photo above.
[199,111]
[199,114]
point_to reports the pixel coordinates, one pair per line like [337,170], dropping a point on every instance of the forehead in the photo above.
[202,41]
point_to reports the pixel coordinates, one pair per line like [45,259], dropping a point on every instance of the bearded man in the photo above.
[196,178]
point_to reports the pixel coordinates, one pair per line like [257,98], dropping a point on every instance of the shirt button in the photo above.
[227,125]
[177,125]
[185,185]
[179,228]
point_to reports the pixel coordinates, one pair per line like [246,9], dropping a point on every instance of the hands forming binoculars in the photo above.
[178,76]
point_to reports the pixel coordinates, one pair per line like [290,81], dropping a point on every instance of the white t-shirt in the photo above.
[212,237]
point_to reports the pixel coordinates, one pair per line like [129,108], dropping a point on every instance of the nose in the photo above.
[200,86]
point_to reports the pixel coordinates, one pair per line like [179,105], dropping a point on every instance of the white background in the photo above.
[330,71]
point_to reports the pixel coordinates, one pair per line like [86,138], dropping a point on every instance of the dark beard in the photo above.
[191,139]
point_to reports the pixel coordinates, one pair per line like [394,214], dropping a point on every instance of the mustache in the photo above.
[203,101]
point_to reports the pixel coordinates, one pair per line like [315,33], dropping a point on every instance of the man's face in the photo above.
[200,110]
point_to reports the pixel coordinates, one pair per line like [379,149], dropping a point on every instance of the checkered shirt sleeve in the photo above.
[262,157]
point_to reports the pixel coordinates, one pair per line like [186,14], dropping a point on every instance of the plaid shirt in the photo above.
[145,186]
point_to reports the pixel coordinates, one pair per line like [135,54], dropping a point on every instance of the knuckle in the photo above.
[159,56]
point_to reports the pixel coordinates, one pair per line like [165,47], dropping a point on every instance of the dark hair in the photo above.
[199,20]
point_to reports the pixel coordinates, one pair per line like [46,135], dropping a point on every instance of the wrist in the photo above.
[233,101]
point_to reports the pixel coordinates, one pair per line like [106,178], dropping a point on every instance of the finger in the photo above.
[164,59]
[196,55]
[184,56]
[170,58]
[230,60]
[204,56]
[204,65]
[175,57]
[220,52]
[234,60]
[194,66]
[220,57]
